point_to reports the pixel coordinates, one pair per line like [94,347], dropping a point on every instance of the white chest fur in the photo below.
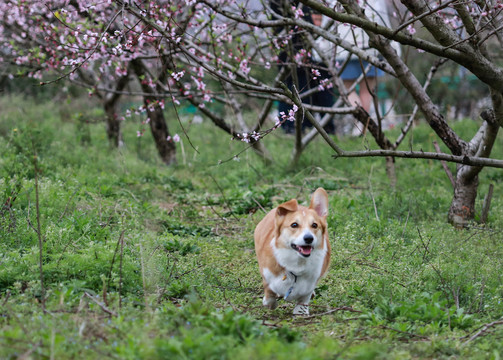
[301,274]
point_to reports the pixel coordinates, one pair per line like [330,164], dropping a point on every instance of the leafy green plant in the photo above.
[176,228]
[175,245]
[166,255]
[426,308]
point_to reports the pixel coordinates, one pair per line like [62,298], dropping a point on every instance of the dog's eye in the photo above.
[294,225]
[314,226]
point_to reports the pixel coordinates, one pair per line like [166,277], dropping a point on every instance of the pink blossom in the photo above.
[175,138]
[243,66]
[297,12]
[199,83]
[177,76]
[325,84]
[248,137]
[301,55]
[292,112]
[120,71]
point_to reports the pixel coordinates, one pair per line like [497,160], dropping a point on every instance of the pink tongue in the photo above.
[305,249]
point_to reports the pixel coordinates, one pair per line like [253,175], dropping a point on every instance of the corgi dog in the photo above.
[293,251]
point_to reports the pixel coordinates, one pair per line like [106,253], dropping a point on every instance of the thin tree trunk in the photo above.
[390,171]
[462,207]
[166,148]
[113,125]
[160,132]
[110,103]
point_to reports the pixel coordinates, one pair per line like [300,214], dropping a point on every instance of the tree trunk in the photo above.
[391,171]
[160,132]
[462,207]
[166,148]
[465,189]
[113,125]
[110,103]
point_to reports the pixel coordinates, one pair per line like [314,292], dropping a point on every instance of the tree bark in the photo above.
[462,207]
[166,148]
[158,126]
[391,171]
[113,125]
[465,189]
[110,103]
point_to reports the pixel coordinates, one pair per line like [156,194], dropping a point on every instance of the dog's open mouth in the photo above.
[303,250]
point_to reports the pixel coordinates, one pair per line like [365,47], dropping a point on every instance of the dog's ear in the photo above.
[319,202]
[287,207]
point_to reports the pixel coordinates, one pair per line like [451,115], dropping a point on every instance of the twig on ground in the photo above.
[38,230]
[144,282]
[27,354]
[120,268]
[404,332]
[215,211]
[229,302]
[273,325]
[223,196]
[483,330]
[100,304]
[7,296]
[189,271]
[68,203]
[372,194]
[121,236]
[260,206]
[331,311]
[425,245]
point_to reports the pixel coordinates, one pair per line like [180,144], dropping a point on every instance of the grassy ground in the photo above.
[144,261]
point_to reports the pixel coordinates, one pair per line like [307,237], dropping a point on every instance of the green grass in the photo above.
[145,261]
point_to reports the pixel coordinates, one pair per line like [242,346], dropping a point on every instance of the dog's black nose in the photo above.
[308,238]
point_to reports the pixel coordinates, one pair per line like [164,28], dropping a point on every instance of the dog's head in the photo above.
[302,229]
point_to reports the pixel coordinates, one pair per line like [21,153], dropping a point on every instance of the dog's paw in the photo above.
[301,309]
[270,302]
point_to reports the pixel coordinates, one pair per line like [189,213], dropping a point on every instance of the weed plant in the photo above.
[145,261]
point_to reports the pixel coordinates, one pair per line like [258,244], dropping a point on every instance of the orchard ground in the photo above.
[141,260]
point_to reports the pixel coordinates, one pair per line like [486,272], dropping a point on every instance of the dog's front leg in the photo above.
[302,307]
[269,299]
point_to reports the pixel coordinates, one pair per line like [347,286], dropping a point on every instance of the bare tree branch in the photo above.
[463,160]
[466,55]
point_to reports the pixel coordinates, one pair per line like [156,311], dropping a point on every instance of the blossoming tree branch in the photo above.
[250,55]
